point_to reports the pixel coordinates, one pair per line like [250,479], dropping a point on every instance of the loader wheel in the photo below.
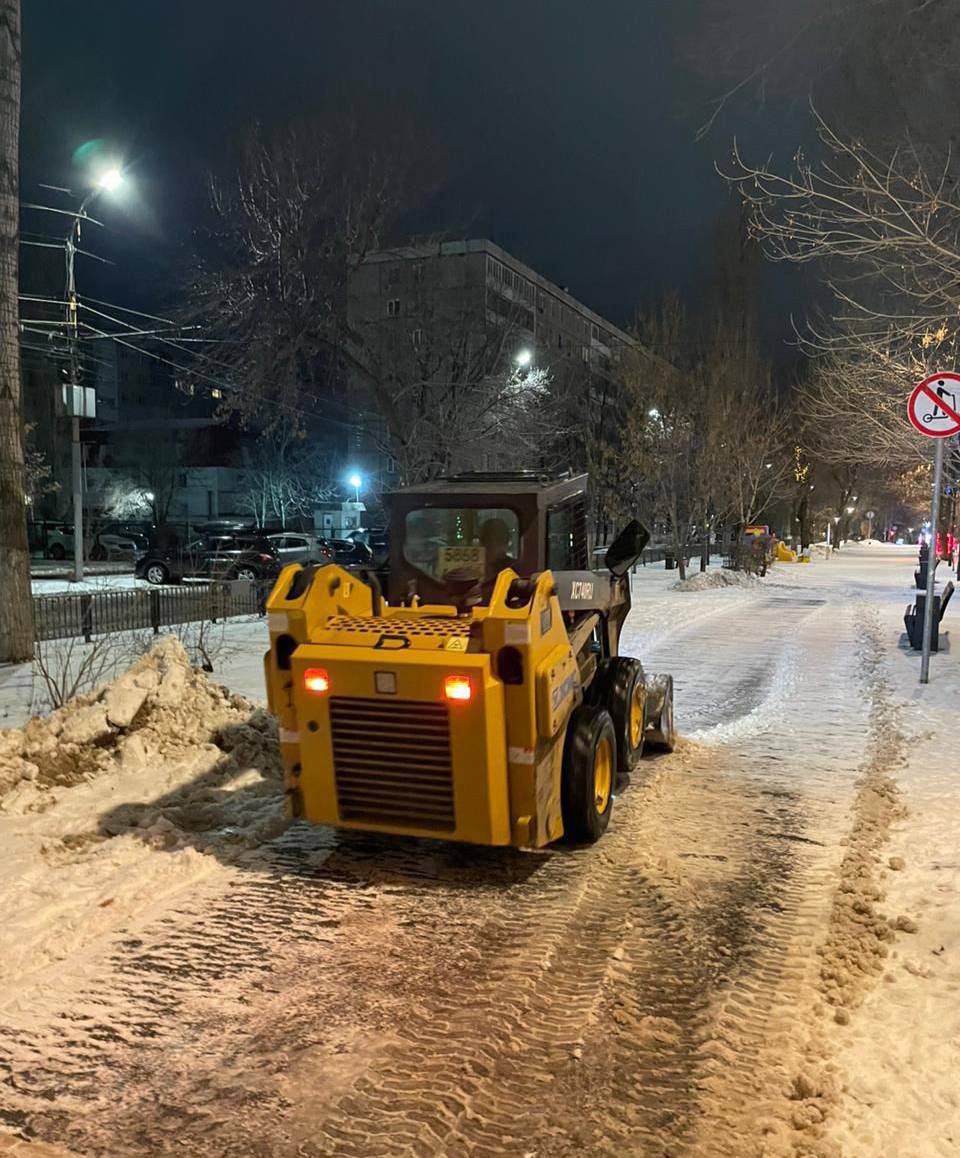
[589,772]
[619,687]
[661,733]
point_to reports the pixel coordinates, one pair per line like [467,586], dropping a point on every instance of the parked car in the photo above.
[299,547]
[110,542]
[59,542]
[351,553]
[377,539]
[227,527]
[118,540]
[214,557]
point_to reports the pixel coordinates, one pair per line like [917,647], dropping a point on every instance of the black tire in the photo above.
[586,794]
[156,574]
[245,571]
[661,733]
[619,687]
[57,551]
[98,553]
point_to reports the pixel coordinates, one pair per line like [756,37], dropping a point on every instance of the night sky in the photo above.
[565,131]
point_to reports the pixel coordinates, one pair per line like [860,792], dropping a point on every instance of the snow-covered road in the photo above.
[686,986]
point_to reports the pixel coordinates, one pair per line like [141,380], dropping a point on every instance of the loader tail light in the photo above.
[316,680]
[457,687]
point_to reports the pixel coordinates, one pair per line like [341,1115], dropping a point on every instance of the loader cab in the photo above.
[457,534]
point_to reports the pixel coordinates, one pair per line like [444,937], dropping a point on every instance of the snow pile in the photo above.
[707,580]
[158,709]
[123,797]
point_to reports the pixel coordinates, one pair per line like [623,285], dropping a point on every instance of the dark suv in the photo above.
[214,557]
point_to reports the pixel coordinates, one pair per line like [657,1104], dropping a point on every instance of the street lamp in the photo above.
[355,479]
[523,358]
[109,180]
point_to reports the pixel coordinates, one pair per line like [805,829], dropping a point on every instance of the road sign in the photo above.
[934,406]
[934,411]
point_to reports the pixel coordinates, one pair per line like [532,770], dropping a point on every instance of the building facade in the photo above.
[467,310]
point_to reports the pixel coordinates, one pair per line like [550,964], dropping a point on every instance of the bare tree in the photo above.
[887,68]
[450,393]
[16,610]
[124,498]
[37,471]
[149,471]
[287,479]
[668,451]
[885,232]
[300,209]
[747,424]
[70,667]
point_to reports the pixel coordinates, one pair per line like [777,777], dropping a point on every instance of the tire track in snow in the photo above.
[578,1001]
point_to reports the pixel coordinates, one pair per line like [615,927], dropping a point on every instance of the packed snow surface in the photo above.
[162,758]
[762,950]
[708,580]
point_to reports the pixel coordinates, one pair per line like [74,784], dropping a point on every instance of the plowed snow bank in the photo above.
[111,802]
[706,580]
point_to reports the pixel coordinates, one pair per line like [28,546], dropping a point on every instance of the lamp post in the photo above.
[107,182]
[356,481]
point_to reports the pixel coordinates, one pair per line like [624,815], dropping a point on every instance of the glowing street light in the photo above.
[110,180]
[355,480]
[523,357]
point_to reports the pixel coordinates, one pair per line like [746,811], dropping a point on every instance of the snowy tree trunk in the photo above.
[16,609]
[679,541]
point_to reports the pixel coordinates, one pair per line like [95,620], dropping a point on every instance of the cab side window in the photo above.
[567,536]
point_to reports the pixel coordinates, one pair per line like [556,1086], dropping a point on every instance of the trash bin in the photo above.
[669,561]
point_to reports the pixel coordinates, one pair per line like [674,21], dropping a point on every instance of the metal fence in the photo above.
[104,612]
[648,555]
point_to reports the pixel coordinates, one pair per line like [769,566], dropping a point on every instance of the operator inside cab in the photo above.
[459,550]
[495,539]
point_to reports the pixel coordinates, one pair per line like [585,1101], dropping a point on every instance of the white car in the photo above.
[108,544]
[299,547]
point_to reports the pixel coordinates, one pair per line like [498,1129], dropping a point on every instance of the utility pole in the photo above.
[16,607]
[80,400]
[74,395]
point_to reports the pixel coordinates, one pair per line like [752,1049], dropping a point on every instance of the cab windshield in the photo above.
[458,543]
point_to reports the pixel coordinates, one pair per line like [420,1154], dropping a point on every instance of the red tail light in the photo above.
[266,558]
[457,687]
[316,681]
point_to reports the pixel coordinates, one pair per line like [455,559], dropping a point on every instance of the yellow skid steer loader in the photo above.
[484,700]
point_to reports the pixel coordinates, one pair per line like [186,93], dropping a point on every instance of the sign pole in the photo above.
[928,625]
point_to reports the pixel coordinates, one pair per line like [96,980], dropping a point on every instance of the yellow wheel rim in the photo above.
[602,775]
[636,716]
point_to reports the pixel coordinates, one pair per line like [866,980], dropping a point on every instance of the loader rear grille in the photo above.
[392,763]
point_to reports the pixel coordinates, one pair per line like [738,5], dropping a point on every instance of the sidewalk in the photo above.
[901,1052]
[63,568]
